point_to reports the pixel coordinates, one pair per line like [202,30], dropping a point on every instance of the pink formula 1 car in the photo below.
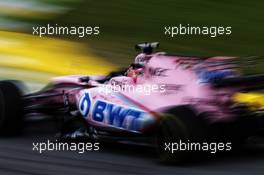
[161,99]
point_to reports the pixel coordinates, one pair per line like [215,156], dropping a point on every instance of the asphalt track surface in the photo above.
[17,157]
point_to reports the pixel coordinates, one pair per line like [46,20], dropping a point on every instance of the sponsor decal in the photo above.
[159,72]
[171,88]
[109,113]
[113,114]
[85,104]
[210,76]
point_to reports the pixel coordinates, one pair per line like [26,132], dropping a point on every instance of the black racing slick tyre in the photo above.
[11,108]
[177,128]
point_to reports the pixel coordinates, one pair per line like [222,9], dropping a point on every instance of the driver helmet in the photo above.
[134,71]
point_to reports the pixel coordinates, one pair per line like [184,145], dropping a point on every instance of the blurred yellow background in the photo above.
[47,55]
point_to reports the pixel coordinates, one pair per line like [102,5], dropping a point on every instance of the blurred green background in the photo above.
[123,23]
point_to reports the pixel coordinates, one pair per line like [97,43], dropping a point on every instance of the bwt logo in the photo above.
[109,113]
[85,104]
[114,114]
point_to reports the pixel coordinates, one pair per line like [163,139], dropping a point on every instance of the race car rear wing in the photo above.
[250,82]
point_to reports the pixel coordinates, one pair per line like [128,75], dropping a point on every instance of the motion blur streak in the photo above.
[254,100]
[30,9]
[54,56]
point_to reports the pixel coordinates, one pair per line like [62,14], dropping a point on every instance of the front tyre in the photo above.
[179,125]
[11,108]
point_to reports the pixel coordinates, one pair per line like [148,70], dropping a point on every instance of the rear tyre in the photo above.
[179,125]
[11,108]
